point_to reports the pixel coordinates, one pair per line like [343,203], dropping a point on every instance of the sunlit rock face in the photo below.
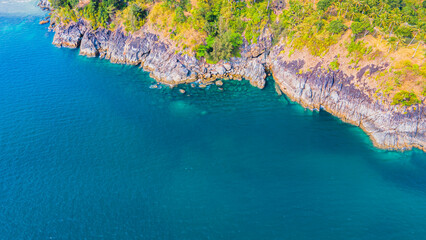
[333,91]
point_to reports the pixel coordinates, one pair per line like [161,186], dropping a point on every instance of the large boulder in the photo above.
[89,45]
[69,35]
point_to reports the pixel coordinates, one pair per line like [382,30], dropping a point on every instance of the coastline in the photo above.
[389,127]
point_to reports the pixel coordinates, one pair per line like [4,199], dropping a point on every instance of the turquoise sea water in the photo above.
[89,151]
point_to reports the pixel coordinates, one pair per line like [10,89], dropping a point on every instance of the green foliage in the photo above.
[180,15]
[99,12]
[59,3]
[73,3]
[357,27]
[358,49]
[135,18]
[204,50]
[66,14]
[319,25]
[201,51]
[334,65]
[396,4]
[316,45]
[225,46]
[336,26]
[304,23]
[404,31]
[415,69]
[405,98]
[324,4]
[360,26]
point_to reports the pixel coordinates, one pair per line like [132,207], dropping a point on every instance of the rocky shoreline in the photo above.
[388,126]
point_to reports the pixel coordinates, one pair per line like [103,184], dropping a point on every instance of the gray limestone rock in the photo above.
[332,91]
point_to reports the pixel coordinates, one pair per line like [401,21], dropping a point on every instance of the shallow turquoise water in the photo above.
[89,151]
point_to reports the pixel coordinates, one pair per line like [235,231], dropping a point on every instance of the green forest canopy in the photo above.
[224,22]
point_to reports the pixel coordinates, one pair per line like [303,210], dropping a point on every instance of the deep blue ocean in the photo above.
[89,151]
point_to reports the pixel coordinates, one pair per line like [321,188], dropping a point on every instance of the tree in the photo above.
[396,4]
[59,3]
[180,15]
[102,15]
[336,27]
[135,17]
[405,98]
[404,31]
[225,45]
[323,5]
[360,26]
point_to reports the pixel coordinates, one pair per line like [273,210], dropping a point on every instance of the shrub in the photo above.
[404,31]
[319,24]
[334,65]
[225,46]
[360,26]
[180,16]
[405,98]
[407,65]
[135,17]
[336,26]
[58,3]
[201,51]
[324,4]
[358,49]
[395,3]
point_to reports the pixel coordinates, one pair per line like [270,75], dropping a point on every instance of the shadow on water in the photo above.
[407,170]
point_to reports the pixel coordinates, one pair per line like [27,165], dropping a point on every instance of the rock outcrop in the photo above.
[335,92]
[332,91]
[44,4]
[157,56]
[70,35]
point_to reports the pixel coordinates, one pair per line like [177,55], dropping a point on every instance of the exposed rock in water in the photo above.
[333,91]
[219,83]
[45,5]
[277,89]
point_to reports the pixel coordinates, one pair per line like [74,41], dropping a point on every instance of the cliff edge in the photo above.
[389,126]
